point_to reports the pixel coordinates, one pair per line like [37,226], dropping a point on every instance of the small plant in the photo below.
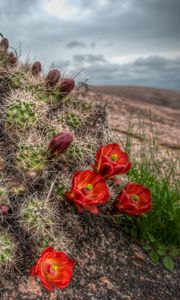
[42,95]
[21,114]
[7,251]
[31,158]
[46,96]
[162,253]
[74,152]
[73,120]
[50,131]
[17,79]
[37,218]
[75,103]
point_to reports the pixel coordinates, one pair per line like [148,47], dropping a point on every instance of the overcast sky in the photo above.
[112,41]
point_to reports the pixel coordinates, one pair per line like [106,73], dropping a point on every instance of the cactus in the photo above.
[21,114]
[37,217]
[7,251]
[31,158]
[73,120]
[16,79]
[32,116]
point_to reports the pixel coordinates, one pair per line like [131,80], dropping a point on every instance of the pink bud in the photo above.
[60,143]
[4,43]
[4,210]
[67,86]
[12,58]
[36,68]
[52,78]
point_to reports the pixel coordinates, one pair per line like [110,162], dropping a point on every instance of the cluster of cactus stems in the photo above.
[46,133]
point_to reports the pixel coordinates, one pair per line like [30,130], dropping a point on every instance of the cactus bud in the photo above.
[67,86]
[4,43]
[52,78]
[60,143]
[12,58]
[36,68]
[4,209]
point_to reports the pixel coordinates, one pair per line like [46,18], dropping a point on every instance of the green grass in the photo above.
[158,230]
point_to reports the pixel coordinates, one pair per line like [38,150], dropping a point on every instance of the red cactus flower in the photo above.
[52,78]
[54,268]
[60,143]
[4,209]
[36,68]
[12,58]
[4,43]
[88,190]
[134,199]
[110,161]
[67,86]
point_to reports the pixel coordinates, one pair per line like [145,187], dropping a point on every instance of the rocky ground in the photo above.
[109,265]
[162,121]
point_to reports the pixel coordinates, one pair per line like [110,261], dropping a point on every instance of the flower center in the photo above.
[134,198]
[89,187]
[114,157]
[54,268]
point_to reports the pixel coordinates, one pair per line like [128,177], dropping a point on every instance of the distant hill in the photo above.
[163,97]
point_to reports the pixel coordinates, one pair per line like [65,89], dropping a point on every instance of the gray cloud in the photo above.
[126,29]
[74,44]
[89,58]
[93,44]
[152,71]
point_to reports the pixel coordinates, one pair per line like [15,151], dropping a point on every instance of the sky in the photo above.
[126,42]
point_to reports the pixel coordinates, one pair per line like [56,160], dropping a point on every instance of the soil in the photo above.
[159,120]
[161,97]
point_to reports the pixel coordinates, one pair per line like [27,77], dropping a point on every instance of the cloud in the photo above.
[74,44]
[88,59]
[17,9]
[154,71]
[111,36]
